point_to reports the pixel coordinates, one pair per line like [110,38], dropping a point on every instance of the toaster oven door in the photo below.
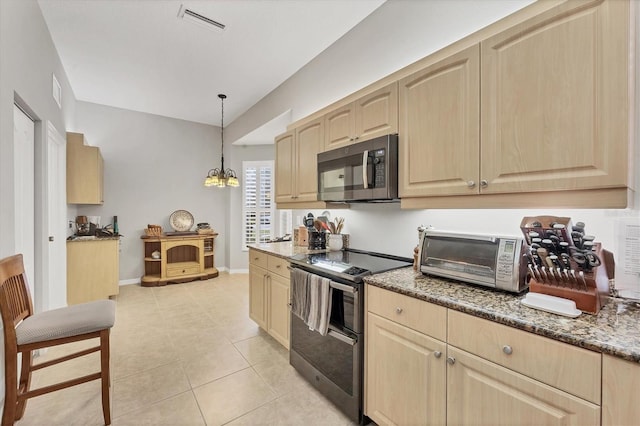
[463,258]
[486,260]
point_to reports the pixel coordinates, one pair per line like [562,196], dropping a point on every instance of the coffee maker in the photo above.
[82,226]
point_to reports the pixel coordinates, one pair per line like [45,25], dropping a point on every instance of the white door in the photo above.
[24,159]
[53,283]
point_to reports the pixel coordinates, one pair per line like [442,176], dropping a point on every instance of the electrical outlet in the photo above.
[70,224]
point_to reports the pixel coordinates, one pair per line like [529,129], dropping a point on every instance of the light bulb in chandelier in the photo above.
[222,177]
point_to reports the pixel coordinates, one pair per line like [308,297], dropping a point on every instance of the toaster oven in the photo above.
[488,260]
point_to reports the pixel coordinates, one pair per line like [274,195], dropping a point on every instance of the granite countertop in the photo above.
[92,238]
[615,330]
[283,249]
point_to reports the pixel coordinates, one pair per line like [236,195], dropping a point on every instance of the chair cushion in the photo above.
[70,321]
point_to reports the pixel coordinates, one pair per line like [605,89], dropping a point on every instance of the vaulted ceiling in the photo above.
[140,55]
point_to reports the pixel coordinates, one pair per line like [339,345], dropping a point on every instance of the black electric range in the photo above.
[349,264]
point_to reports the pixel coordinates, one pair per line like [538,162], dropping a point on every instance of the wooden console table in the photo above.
[182,258]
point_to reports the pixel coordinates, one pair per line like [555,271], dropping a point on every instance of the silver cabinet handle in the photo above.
[507,349]
[398,310]
[451,360]
[471,184]
[437,354]
[484,183]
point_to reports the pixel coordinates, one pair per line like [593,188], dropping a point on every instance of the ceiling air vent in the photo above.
[198,19]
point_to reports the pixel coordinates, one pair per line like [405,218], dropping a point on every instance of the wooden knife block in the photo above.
[597,292]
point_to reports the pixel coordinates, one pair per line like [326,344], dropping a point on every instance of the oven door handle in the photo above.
[346,339]
[343,287]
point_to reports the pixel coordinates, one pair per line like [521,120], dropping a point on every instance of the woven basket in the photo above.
[153,230]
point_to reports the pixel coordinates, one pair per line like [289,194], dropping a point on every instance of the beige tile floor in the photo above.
[185,354]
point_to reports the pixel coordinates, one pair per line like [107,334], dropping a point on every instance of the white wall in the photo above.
[153,166]
[27,60]
[388,229]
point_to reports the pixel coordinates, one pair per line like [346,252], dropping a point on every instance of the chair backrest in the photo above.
[15,299]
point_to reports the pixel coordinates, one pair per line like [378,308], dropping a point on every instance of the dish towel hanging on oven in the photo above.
[311,300]
[299,300]
[319,304]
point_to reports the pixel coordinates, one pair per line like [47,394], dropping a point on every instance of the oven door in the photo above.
[333,364]
[345,174]
[332,355]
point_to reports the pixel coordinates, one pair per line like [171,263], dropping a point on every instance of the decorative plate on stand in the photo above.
[181,220]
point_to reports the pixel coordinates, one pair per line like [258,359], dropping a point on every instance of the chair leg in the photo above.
[105,376]
[25,382]
[10,387]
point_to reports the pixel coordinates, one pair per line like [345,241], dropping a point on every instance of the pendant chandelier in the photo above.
[221,177]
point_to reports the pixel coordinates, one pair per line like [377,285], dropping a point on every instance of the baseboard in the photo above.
[220,269]
[129,281]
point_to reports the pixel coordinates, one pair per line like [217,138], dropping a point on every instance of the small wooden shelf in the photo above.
[182,258]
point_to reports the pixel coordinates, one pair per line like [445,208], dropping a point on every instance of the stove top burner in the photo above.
[349,264]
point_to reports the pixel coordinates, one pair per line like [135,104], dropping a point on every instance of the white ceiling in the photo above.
[139,55]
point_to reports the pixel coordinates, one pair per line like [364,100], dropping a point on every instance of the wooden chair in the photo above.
[25,331]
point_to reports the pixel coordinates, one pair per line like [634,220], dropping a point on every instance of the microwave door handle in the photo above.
[365,178]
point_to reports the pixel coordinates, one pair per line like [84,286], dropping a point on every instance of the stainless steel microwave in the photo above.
[365,171]
[488,260]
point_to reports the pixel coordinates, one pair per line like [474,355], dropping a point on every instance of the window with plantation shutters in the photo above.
[258,206]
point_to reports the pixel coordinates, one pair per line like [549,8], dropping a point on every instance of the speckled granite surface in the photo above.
[283,249]
[85,239]
[615,330]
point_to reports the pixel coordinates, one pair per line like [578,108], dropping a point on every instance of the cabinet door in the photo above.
[310,141]
[285,166]
[555,101]
[279,309]
[480,392]
[439,129]
[406,379]
[339,127]
[92,270]
[84,171]
[258,295]
[620,385]
[376,114]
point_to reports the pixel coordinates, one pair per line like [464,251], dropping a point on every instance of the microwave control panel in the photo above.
[379,165]
[505,262]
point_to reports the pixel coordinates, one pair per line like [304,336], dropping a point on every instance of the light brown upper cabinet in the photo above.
[375,114]
[555,101]
[296,163]
[537,115]
[84,171]
[439,129]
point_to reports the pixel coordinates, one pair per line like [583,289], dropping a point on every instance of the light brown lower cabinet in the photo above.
[406,375]
[484,374]
[92,270]
[269,294]
[480,392]
[620,392]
